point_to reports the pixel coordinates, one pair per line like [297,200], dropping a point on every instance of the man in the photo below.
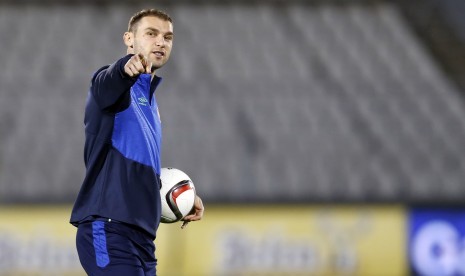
[117,211]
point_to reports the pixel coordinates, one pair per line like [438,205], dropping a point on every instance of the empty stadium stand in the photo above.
[303,102]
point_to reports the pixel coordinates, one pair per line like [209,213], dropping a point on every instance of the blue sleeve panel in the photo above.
[122,152]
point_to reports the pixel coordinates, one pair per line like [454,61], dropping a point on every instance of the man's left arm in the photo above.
[197,213]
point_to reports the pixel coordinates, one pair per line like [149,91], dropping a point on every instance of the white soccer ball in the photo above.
[177,194]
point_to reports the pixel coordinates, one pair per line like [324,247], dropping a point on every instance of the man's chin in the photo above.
[157,65]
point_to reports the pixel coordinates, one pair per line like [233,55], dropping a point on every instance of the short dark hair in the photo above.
[132,26]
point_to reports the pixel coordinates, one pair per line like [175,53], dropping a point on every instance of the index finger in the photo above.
[142,59]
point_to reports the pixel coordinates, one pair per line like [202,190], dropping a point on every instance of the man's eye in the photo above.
[168,37]
[150,33]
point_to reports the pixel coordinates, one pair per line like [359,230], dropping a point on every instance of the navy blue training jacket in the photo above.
[122,150]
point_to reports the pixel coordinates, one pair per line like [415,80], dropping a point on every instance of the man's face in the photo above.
[153,37]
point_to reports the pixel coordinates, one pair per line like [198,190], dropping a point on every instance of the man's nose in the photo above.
[160,41]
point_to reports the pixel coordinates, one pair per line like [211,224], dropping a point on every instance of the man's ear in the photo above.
[128,38]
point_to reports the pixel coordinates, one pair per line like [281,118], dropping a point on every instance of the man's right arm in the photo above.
[111,82]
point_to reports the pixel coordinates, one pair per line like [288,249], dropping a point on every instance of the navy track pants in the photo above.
[112,248]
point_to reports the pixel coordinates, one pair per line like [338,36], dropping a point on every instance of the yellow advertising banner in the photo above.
[287,240]
[37,240]
[230,240]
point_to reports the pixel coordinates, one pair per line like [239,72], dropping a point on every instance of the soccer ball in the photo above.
[177,194]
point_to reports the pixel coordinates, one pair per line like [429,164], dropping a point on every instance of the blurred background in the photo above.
[325,136]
